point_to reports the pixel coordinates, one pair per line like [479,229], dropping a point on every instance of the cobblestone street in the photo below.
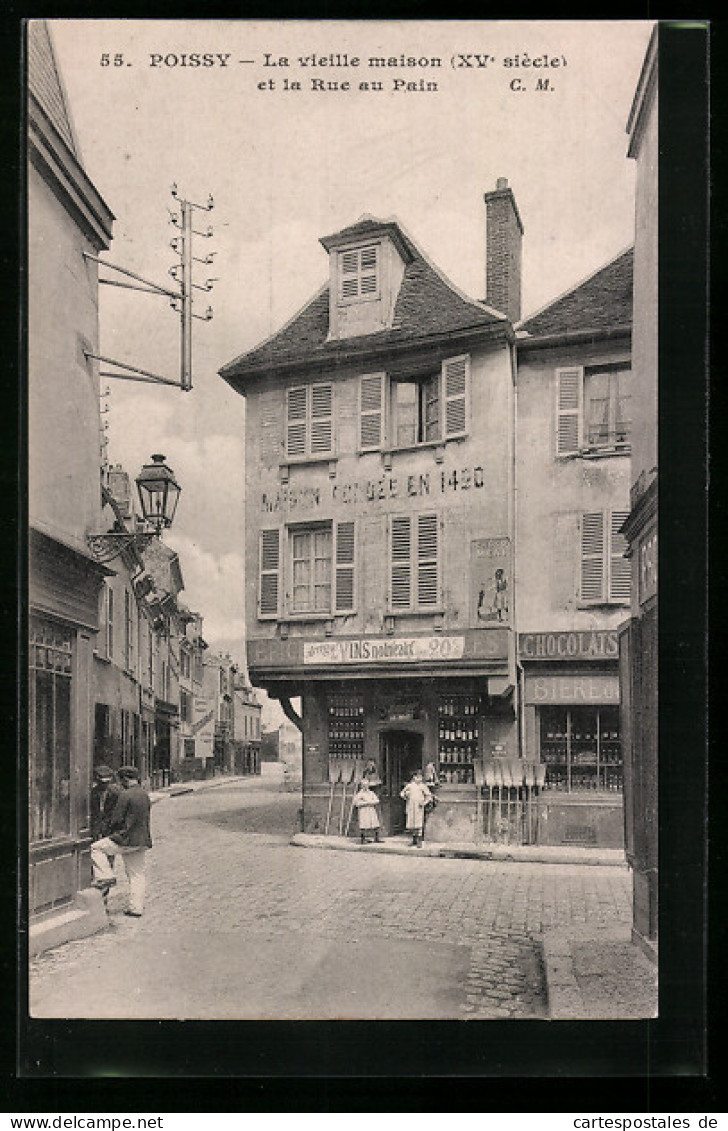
[240,924]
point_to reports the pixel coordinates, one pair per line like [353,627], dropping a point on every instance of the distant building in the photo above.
[219,673]
[246,727]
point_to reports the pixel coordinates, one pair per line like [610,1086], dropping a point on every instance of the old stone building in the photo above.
[66,219]
[433,541]
[573,437]
[379,525]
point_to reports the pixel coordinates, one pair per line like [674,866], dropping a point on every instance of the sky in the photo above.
[286,166]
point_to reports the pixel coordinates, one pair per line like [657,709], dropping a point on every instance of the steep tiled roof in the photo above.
[602,302]
[45,84]
[427,306]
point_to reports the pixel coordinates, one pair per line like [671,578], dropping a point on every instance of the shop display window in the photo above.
[346,726]
[51,669]
[581,748]
[457,739]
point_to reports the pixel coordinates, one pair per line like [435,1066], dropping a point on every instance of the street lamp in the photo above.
[158,495]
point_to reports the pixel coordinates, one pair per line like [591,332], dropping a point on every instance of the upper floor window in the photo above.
[184,663]
[358,274]
[307,570]
[404,411]
[129,611]
[415,549]
[593,409]
[605,572]
[309,421]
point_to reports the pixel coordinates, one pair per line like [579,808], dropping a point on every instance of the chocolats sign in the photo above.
[413,649]
[599,645]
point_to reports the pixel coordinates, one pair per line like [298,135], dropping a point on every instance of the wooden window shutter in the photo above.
[592,556]
[345,597]
[322,397]
[455,383]
[428,588]
[368,284]
[296,417]
[400,563]
[620,570]
[371,404]
[268,589]
[569,399]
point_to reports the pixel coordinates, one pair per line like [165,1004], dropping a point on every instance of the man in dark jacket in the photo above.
[129,837]
[104,795]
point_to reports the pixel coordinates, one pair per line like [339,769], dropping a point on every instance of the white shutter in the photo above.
[322,397]
[296,417]
[620,570]
[592,556]
[371,404]
[455,383]
[428,588]
[268,588]
[569,399]
[400,563]
[345,566]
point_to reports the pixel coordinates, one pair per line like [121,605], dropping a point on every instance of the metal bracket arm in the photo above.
[150,287]
[132,373]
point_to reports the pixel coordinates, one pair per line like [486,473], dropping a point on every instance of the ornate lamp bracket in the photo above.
[106,547]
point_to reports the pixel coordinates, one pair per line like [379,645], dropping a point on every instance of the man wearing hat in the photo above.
[104,795]
[129,837]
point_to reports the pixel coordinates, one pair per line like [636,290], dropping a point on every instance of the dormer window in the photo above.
[359,274]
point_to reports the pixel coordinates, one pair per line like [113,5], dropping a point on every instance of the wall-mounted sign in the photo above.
[203,726]
[647,566]
[490,575]
[425,484]
[588,689]
[414,649]
[599,645]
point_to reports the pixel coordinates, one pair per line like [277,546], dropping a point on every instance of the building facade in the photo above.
[639,637]
[67,221]
[246,727]
[572,579]
[379,533]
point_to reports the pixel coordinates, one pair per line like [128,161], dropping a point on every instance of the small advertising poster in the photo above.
[490,581]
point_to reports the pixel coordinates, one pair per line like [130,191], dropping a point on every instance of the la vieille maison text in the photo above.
[378,63]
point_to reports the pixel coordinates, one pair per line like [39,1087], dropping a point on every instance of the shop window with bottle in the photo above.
[346,726]
[457,739]
[581,748]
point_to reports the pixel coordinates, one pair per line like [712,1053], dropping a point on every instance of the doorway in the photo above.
[401,752]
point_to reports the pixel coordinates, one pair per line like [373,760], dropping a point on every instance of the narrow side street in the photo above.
[242,925]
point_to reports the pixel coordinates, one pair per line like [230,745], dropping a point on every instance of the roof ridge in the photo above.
[573,289]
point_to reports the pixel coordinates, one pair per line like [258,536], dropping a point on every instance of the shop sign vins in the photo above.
[414,649]
[599,645]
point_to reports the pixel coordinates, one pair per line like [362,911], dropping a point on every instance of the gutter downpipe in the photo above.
[520,708]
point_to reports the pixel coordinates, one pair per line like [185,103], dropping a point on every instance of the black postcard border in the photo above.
[314,1066]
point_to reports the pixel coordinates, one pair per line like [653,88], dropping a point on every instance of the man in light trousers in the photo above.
[129,837]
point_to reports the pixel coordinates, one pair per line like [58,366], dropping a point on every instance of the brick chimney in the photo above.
[504,233]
